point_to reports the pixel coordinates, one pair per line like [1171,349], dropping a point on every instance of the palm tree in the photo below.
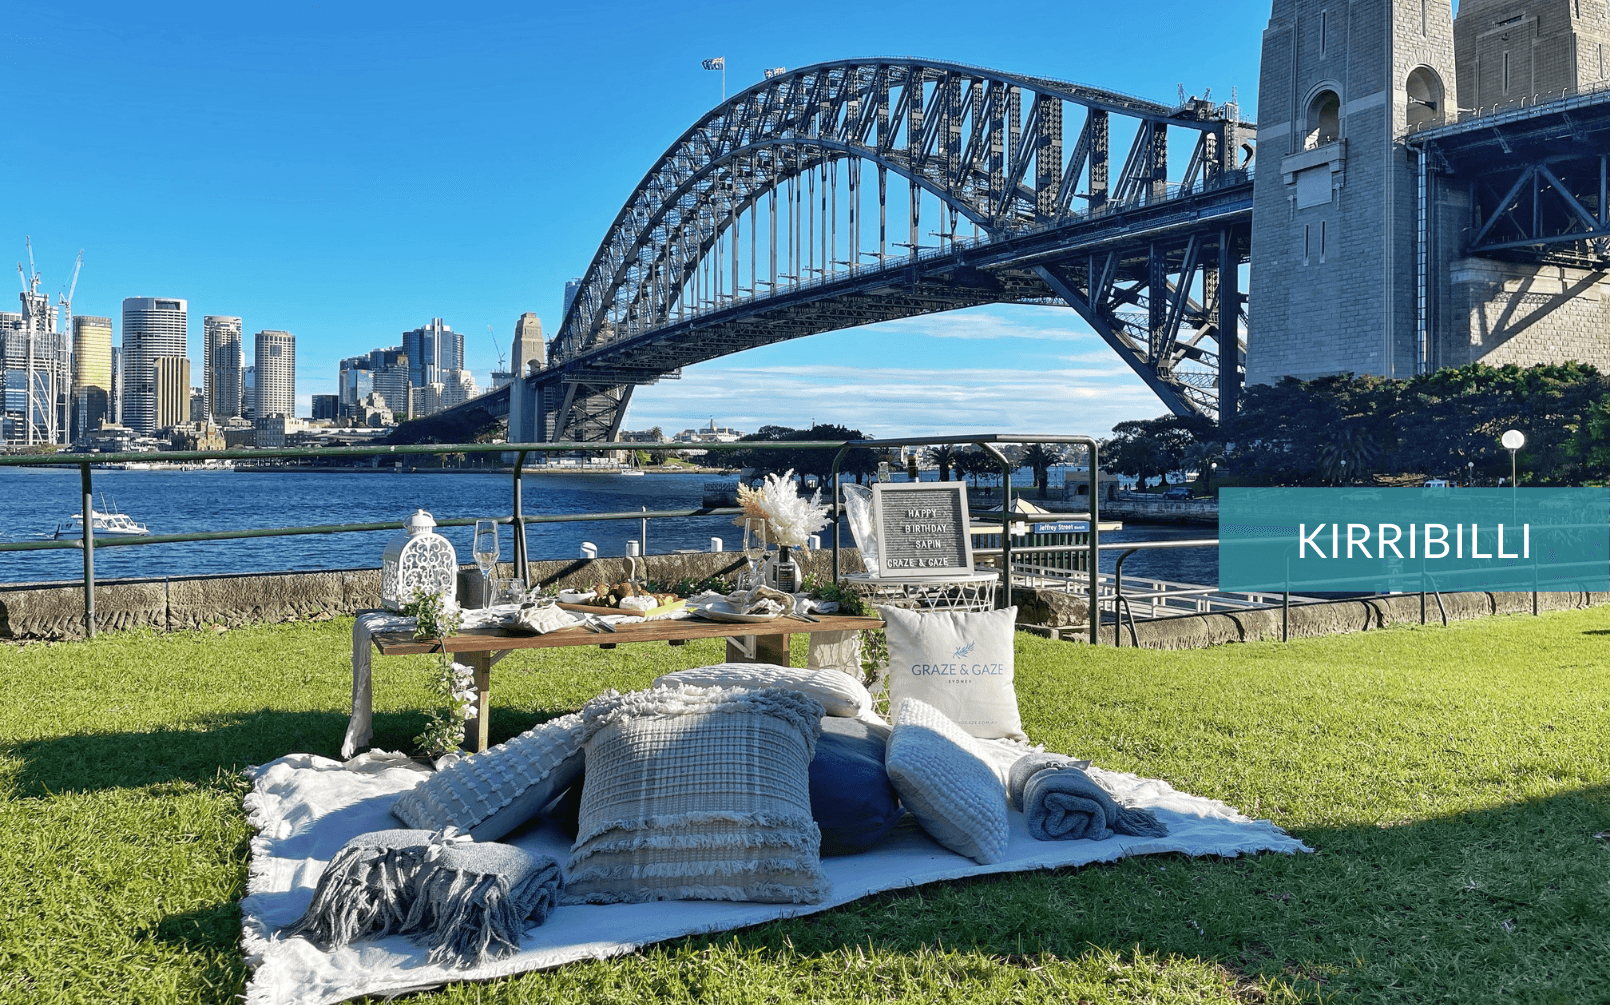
[1203,455]
[1041,457]
[1349,452]
[942,457]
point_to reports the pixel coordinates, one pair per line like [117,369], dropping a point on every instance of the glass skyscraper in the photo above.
[153,328]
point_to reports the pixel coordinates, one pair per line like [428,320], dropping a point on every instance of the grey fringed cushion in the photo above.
[698,794]
[840,694]
[489,794]
[947,786]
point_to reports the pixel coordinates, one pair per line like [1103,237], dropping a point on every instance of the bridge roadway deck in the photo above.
[996,271]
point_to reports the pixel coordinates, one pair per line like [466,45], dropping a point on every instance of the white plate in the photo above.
[724,611]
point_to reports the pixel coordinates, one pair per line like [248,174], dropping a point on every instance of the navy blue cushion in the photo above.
[851,798]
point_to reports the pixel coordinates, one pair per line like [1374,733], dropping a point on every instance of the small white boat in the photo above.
[112,524]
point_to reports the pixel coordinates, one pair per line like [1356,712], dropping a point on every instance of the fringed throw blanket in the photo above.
[468,902]
[1063,803]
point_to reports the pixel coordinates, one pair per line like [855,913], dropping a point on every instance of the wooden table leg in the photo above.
[768,649]
[480,720]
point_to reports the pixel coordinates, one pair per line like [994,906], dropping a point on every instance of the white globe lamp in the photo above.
[1513,440]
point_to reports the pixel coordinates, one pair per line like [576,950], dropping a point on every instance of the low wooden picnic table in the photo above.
[762,642]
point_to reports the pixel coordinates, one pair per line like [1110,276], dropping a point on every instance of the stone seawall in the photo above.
[55,611]
[1335,617]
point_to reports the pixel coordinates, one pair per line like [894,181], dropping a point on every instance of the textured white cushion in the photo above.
[491,793]
[936,768]
[839,693]
[698,794]
[960,662]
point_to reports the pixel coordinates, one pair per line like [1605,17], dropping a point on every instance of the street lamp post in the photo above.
[1513,440]
[1470,474]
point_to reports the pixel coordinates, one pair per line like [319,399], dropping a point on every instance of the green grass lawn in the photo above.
[1451,779]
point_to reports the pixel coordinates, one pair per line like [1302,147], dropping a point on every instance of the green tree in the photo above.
[1041,458]
[1147,447]
[859,461]
[943,457]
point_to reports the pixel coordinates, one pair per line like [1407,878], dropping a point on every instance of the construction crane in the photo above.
[30,300]
[503,364]
[66,302]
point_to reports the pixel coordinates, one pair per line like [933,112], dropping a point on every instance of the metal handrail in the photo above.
[85,462]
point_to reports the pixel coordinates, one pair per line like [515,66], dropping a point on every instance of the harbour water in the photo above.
[33,501]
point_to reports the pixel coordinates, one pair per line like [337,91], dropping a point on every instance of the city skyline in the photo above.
[353,235]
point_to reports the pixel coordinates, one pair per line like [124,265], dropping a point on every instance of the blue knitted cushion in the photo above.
[851,798]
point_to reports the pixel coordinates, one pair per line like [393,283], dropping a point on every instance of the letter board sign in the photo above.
[923,529]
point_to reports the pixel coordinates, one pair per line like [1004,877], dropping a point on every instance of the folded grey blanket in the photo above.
[1063,803]
[468,901]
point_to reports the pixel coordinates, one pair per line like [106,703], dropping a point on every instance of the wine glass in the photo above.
[754,549]
[486,556]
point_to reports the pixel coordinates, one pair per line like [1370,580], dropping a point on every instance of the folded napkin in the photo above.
[540,619]
[1063,803]
[762,600]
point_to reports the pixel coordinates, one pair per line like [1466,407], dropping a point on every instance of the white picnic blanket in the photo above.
[305,807]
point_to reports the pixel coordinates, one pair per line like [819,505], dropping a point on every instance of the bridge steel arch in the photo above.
[1142,258]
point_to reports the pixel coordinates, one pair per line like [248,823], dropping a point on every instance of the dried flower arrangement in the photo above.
[790,518]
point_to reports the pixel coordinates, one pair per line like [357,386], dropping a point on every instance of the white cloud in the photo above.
[890,401]
[1010,321]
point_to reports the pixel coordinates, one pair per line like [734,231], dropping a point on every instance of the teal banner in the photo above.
[1414,540]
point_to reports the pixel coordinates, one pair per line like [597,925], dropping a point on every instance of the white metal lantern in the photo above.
[418,560]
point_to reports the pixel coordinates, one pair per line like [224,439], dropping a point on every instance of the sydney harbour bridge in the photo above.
[848,193]
[843,194]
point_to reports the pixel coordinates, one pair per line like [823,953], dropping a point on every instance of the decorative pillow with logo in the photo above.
[960,662]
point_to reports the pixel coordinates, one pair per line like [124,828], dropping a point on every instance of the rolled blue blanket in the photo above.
[1063,803]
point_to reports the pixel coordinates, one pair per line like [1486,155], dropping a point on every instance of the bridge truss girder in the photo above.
[987,145]
[1179,356]
[1537,180]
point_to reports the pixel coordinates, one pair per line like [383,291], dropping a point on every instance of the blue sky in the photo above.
[348,171]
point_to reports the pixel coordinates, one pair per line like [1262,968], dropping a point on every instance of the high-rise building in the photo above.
[572,287]
[117,385]
[275,360]
[389,377]
[153,328]
[326,406]
[432,348]
[35,373]
[92,375]
[170,383]
[248,392]
[223,361]
[455,388]
[354,382]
